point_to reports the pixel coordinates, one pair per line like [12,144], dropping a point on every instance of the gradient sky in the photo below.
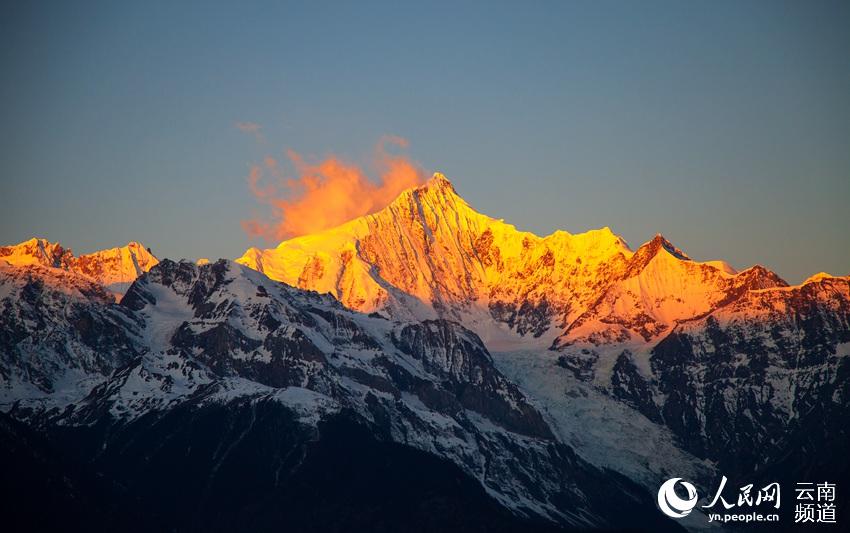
[723,125]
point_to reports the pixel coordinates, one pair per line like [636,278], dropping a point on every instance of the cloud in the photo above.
[251,128]
[328,192]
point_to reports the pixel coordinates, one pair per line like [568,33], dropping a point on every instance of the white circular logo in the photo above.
[671,504]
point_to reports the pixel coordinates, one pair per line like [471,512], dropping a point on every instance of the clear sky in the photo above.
[723,125]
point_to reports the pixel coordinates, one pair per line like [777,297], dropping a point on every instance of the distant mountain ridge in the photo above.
[114,268]
[429,254]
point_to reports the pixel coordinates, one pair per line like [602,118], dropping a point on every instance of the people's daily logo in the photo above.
[671,504]
[815,502]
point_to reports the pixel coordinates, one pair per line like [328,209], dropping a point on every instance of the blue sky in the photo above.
[723,125]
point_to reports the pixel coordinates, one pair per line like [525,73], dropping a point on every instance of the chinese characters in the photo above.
[815,503]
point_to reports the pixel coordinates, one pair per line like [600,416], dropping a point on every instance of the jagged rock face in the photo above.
[732,363]
[737,366]
[747,378]
[57,329]
[115,268]
[224,336]
[428,254]
[459,358]
[659,289]
[37,252]
[752,383]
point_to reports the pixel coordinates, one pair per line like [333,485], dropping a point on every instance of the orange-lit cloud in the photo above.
[327,193]
[252,128]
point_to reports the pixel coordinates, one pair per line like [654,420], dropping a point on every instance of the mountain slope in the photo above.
[659,288]
[114,268]
[611,369]
[223,342]
[754,376]
[734,370]
[60,334]
[428,254]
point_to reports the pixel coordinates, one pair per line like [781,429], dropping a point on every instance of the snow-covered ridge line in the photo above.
[188,336]
[429,254]
[113,268]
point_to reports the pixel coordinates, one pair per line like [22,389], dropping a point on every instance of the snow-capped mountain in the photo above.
[755,379]
[188,338]
[429,254]
[114,268]
[736,365]
[556,379]
[60,334]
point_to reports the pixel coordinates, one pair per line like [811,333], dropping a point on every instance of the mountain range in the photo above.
[422,367]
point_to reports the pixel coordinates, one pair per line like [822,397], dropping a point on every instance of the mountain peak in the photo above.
[820,276]
[438,184]
[114,268]
[660,242]
[36,250]
[439,180]
[437,193]
[650,250]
